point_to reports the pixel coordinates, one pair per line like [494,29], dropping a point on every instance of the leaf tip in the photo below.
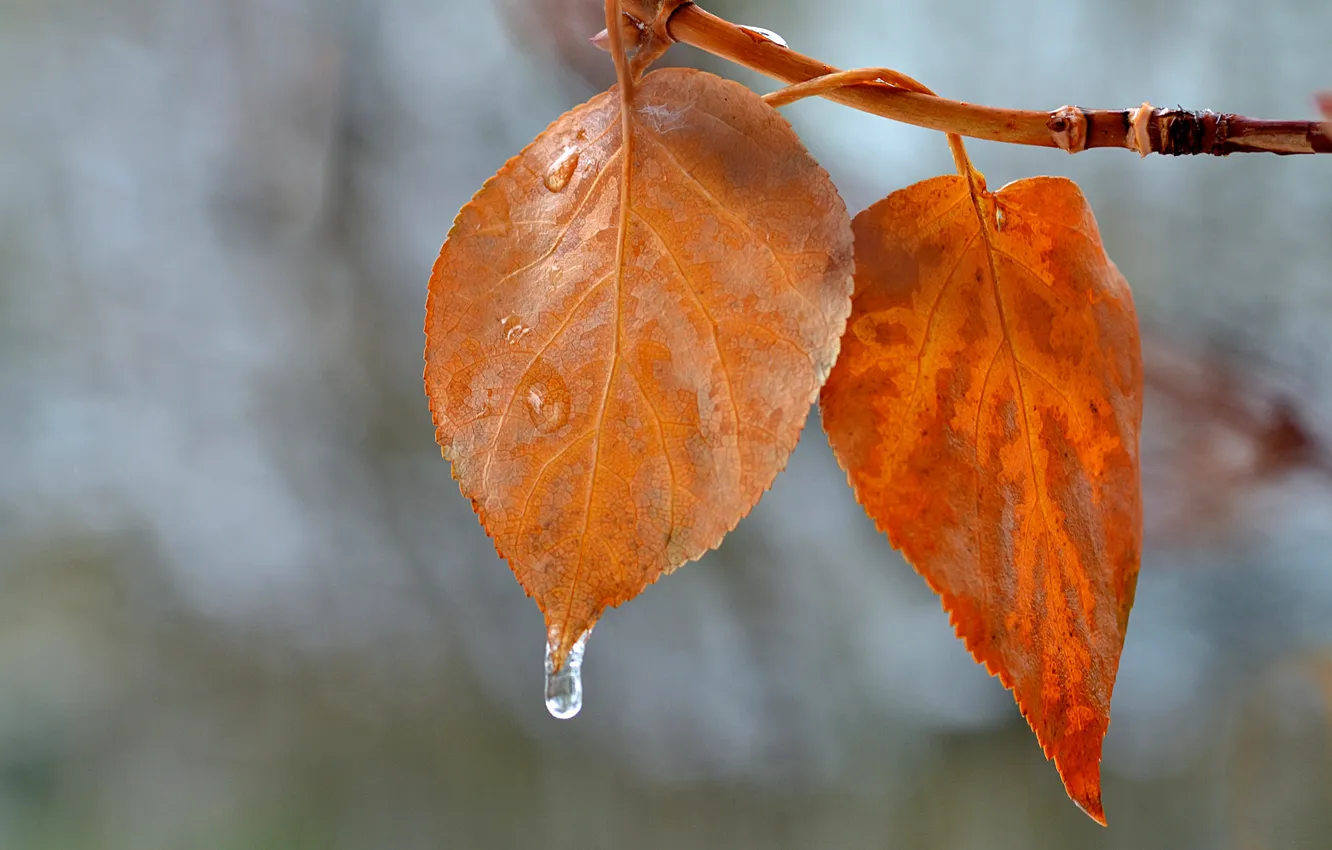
[564,637]
[1079,766]
[1091,806]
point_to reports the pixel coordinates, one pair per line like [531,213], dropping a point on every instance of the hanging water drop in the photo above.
[562,170]
[564,689]
[766,35]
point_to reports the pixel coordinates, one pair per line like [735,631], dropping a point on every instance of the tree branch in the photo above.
[1146,130]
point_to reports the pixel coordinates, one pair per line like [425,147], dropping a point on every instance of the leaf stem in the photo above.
[617,51]
[820,86]
[975,180]
[1144,129]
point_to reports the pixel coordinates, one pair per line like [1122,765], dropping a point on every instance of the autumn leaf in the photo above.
[986,408]
[1233,432]
[617,384]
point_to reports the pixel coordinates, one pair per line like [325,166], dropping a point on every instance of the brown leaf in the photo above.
[986,408]
[557,32]
[613,416]
[1227,435]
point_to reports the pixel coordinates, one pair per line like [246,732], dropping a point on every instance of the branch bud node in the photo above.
[1068,126]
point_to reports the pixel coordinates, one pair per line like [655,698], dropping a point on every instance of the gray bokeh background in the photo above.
[242,604]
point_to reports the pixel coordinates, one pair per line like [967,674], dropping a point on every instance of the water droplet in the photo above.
[998,218]
[546,397]
[564,688]
[766,35]
[562,170]
[514,330]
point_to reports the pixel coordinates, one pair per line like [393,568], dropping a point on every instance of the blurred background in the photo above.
[243,605]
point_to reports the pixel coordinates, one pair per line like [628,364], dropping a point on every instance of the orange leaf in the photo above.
[614,408]
[986,408]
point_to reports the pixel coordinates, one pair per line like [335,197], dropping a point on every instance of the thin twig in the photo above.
[1143,129]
